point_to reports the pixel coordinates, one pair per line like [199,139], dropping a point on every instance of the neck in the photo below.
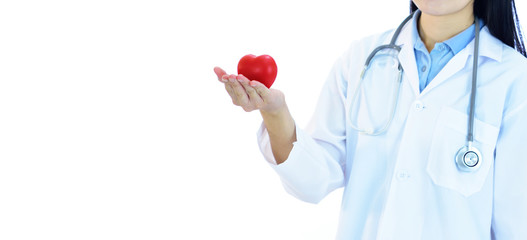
[434,29]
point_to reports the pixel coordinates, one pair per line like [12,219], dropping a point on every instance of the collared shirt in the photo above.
[429,64]
[404,184]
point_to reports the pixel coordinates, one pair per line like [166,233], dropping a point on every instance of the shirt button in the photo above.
[419,106]
[403,175]
[423,69]
[442,47]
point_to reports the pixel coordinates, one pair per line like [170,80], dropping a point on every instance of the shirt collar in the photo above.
[490,46]
[455,43]
[461,40]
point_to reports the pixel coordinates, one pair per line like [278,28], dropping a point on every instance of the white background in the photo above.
[113,125]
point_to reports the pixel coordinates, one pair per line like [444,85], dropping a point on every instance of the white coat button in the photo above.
[403,175]
[419,106]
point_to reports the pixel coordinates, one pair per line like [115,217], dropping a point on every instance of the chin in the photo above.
[443,7]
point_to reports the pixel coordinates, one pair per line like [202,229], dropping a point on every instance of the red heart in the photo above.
[262,68]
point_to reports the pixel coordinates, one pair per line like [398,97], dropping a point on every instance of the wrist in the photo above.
[274,113]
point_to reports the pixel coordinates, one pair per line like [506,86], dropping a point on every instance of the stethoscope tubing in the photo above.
[470,134]
[466,154]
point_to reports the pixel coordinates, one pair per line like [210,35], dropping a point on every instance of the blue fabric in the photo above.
[429,64]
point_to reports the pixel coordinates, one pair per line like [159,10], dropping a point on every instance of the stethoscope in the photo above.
[468,158]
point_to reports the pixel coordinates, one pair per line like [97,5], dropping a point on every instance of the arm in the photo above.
[315,165]
[309,164]
[509,219]
[281,129]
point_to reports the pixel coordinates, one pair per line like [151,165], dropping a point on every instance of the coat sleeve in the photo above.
[509,219]
[315,165]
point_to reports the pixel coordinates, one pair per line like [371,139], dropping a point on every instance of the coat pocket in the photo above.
[449,136]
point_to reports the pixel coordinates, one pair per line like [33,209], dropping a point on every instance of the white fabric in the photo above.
[404,184]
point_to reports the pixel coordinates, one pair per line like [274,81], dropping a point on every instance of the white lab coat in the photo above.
[404,184]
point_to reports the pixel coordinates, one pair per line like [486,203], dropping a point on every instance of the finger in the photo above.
[231,79]
[220,73]
[254,97]
[241,97]
[230,91]
[228,88]
[261,89]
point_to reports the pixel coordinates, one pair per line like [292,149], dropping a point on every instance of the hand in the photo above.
[251,95]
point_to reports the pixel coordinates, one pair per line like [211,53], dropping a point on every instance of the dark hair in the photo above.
[502,20]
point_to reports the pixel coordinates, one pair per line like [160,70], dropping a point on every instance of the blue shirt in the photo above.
[429,64]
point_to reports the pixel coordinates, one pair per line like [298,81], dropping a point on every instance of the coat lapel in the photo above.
[490,47]
[406,56]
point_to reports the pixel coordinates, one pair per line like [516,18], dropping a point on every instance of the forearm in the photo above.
[309,170]
[281,129]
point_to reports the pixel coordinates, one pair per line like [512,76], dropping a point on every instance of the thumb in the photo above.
[219,73]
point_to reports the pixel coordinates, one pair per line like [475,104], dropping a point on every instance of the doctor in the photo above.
[393,141]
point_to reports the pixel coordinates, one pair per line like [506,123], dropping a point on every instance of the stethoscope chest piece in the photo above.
[468,159]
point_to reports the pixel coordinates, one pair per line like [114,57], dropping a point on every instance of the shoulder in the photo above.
[359,49]
[368,43]
[511,57]
[349,65]
[504,57]
[501,63]
[514,71]
[514,65]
